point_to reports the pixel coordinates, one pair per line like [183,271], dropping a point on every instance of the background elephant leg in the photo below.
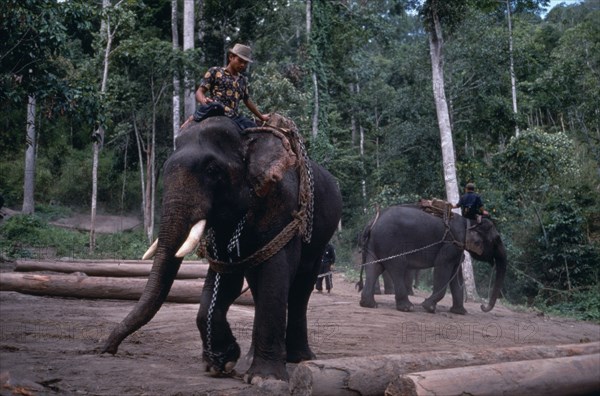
[441,277]
[417,278]
[221,351]
[372,272]
[457,290]
[388,283]
[398,272]
[409,277]
[377,287]
[296,338]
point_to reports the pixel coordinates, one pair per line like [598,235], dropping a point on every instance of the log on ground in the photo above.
[183,291]
[109,269]
[371,375]
[573,375]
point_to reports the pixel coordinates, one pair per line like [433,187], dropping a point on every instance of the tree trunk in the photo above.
[513,80]
[148,223]
[141,150]
[436,44]
[29,177]
[572,375]
[105,29]
[315,116]
[176,88]
[188,43]
[183,291]
[371,375]
[109,269]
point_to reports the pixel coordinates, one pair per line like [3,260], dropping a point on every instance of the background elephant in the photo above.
[242,188]
[411,281]
[414,239]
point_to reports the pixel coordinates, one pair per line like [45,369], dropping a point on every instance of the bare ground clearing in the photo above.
[47,345]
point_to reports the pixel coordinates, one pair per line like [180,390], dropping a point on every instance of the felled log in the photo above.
[183,291]
[110,269]
[573,375]
[81,286]
[371,375]
[106,261]
[245,298]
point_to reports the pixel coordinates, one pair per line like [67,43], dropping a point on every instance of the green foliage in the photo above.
[583,304]
[273,88]
[31,236]
[535,159]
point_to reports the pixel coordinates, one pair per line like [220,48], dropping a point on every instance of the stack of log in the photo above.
[111,279]
[528,370]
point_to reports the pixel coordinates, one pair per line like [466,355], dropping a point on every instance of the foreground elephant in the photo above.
[405,237]
[250,192]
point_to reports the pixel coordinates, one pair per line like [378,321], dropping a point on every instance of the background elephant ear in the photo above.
[474,242]
[268,157]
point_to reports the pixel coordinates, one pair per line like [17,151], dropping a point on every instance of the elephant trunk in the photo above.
[501,262]
[160,280]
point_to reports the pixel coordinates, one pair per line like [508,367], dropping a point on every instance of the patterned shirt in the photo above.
[225,89]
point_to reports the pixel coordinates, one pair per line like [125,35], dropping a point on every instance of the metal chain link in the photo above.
[213,356]
[311,183]
[408,252]
[210,240]
[235,239]
[233,243]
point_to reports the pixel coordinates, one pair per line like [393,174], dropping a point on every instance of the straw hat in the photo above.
[243,51]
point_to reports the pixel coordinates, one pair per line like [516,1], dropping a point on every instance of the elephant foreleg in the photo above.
[221,351]
[296,337]
[270,289]
[444,272]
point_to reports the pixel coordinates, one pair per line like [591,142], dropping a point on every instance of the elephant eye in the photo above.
[212,172]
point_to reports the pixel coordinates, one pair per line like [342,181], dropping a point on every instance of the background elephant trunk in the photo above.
[501,262]
[160,280]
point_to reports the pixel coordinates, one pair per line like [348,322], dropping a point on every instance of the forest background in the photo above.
[96,89]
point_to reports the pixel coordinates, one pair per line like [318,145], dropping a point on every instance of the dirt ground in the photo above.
[48,345]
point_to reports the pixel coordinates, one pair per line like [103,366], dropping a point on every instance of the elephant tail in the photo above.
[359,285]
[364,242]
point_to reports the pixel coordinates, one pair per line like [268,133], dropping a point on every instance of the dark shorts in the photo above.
[217,109]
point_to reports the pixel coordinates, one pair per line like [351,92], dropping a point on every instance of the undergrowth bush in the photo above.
[581,304]
[30,236]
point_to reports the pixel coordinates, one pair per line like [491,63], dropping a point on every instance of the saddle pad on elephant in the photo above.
[437,207]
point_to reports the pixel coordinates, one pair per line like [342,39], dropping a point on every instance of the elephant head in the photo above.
[484,243]
[211,181]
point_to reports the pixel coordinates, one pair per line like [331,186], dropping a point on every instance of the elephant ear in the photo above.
[269,156]
[474,242]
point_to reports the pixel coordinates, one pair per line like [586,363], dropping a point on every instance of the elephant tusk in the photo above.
[151,251]
[192,240]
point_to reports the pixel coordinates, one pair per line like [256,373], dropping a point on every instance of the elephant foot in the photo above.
[221,364]
[368,303]
[429,307]
[262,370]
[458,310]
[405,306]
